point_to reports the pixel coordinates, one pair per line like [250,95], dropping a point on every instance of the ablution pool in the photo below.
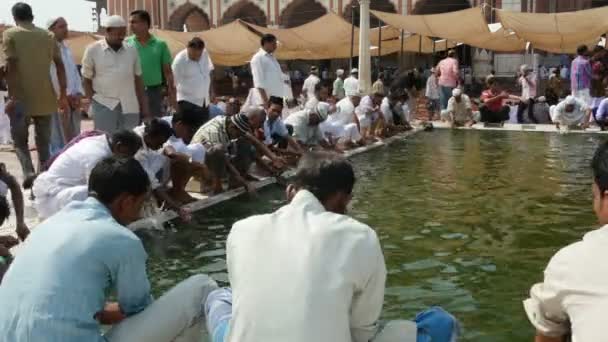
[467,220]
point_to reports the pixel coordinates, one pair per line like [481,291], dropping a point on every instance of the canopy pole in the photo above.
[352,36]
[401,52]
[379,41]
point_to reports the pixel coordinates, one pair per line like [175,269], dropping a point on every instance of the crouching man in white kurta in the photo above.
[308,272]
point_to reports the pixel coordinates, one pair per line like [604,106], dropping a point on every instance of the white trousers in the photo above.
[176,316]
[48,203]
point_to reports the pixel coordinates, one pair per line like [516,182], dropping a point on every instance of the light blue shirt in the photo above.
[59,280]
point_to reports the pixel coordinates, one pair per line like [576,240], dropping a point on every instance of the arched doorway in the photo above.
[300,12]
[433,7]
[192,16]
[376,5]
[246,11]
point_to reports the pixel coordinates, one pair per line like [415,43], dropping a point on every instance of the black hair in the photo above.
[276,101]
[188,117]
[599,166]
[22,12]
[5,209]
[268,38]
[158,128]
[114,176]
[142,15]
[324,174]
[127,138]
[581,50]
[196,43]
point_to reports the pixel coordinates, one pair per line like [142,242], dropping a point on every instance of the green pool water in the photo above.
[467,220]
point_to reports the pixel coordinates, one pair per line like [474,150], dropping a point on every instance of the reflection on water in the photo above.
[467,220]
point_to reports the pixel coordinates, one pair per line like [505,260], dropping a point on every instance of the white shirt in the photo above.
[351,86]
[573,296]
[365,109]
[344,112]
[113,74]
[302,131]
[74,83]
[432,88]
[267,73]
[192,78]
[308,87]
[304,274]
[152,161]
[195,151]
[528,91]
[462,109]
[386,110]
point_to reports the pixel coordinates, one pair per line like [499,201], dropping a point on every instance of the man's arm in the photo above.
[87,84]
[279,163]
[17,197]
[61,77]
[131,280]
[168,73]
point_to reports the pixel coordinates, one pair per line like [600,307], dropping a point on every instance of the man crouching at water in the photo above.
[571,300]
[308,272]
[56,288]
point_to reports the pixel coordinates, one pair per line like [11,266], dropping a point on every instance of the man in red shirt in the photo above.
[493,109]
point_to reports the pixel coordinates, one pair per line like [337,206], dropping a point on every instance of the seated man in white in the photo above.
[570,303]
[459,111]
[308,272]
[369,115]
[571,112]
[342,125]
[67,177]
[305,125]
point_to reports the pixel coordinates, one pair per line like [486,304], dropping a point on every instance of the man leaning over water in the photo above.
[55,290]
[308,272]
[571,300]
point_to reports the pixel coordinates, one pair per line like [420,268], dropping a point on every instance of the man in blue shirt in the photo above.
[56,288]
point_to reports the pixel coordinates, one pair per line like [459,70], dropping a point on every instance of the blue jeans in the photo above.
[444,96]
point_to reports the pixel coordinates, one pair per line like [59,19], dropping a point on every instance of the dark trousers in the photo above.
[20,133]
[201,112]
[521,108]
[490,116]
[154,94]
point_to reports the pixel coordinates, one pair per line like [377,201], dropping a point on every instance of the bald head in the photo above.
[256,116]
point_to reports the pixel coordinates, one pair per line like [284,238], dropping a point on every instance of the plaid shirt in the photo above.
[580,74]
[213,132]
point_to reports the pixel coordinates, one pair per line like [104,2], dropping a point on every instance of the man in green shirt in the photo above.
[155,59]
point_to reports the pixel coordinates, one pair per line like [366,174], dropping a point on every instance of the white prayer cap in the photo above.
[354,93]
[525,68]
[323,110]
[114,21]
[541,99]
[456,92]
[52,21]
[570,100]
[354,71]
[340,72]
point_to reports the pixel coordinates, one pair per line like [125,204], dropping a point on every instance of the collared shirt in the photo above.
[213,132]
[192,78]
[570,118]
[345,111]
[378,87]
[309,85]
[152,56]
[461,110]
[572,297]
[113,74]
[53,290]
[351,86]
[74,83]
[338,89]
[432,88]
[328,267]
[267,73]
[449,72]
[274,127]
[580,74]
[528,87]
[302,130]
[33,49]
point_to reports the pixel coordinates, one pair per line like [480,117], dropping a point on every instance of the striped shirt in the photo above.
[580,74]
[213,132]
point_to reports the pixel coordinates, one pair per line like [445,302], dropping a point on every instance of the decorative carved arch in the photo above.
[246,11]
[300,12]
[190,15]
[377,5]
[433,7]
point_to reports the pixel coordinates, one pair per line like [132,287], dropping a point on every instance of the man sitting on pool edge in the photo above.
[308,272]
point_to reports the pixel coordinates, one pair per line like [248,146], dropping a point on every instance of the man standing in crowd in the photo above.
[326,265]
[308,88]
[378,86]
[351,84]
[112,79]
[571,112]
[459,112]
[528,82]
[56,290]
[155,59]
[570,303]
[65,125]
[432,94]
[493,109]
[192,69]
[338,88]
[266,70]
[448,77]
[580,75]
[29,52]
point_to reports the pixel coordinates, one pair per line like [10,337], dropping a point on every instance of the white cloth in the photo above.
[68,176]
[528,88]
[311,103]
[113,74]
[432,88]
[564,73]
[254,99]
[345,111]
[405,111]
[195,151]
[387,112]
[5,124]
[302,130]
[309,85]
[351,86]
[366,112]
[267,73]
[288,94]
[74,83]
[332,130]
[573,298]
[192,78]
[583,95]
[152,161]
[576,117]
[327,269]
[461,110]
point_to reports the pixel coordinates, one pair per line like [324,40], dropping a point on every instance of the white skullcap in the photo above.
[570,100]
[354,71]
[456,92]
[541,99]
[323,110]
[114,21]
[524,68]
[52,21]
[340,72]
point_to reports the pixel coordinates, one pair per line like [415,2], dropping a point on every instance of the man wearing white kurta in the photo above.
[266,71]
[307,272]
[569,112]
[308,88]
[351,84]
[343,124]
